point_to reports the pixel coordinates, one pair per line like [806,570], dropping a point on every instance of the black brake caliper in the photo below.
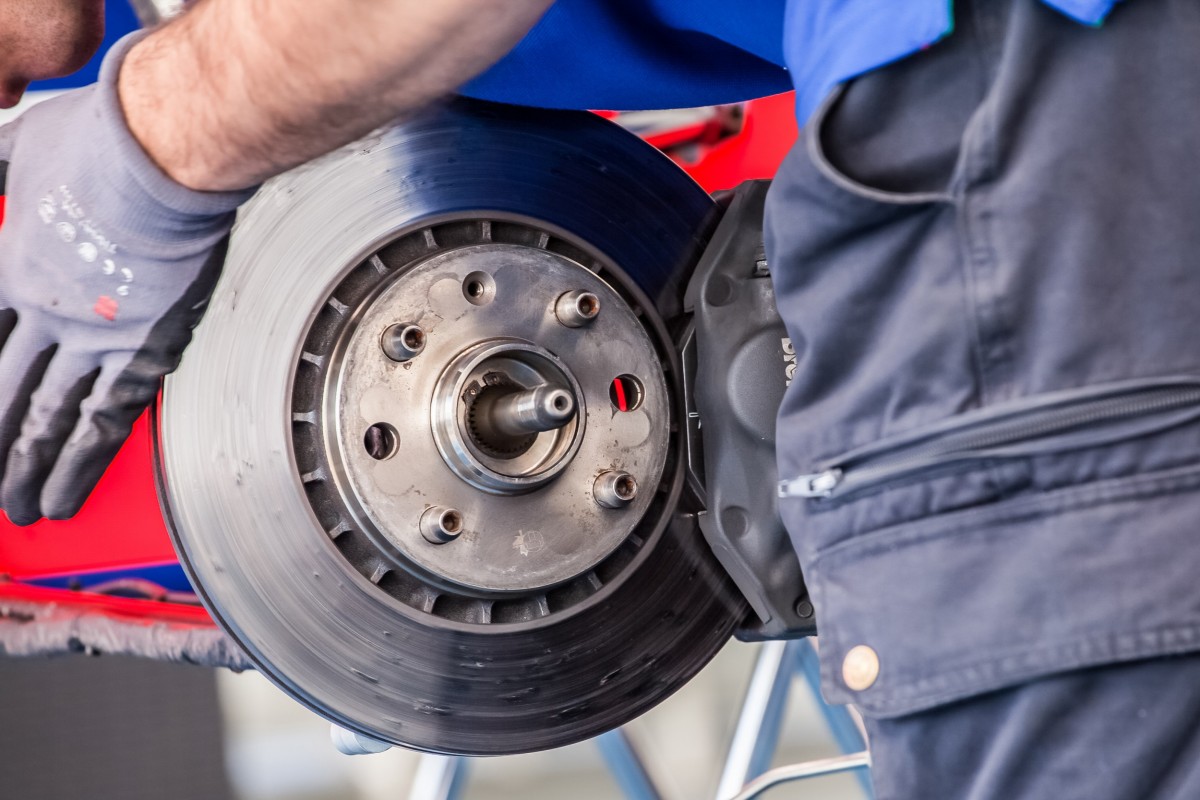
[737,355]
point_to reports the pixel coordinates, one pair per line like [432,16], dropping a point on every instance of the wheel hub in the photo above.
[486,370]
[507,416]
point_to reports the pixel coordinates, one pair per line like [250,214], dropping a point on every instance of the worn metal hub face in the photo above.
[504,415]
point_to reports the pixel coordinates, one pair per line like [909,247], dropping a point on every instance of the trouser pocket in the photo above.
[1024,429]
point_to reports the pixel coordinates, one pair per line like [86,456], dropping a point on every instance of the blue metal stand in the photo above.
[746,773]
[755,739]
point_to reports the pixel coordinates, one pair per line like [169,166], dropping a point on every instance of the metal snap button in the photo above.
[860,668]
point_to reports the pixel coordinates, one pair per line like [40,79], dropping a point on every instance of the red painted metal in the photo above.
[123,608]
[768,132]
[121,527]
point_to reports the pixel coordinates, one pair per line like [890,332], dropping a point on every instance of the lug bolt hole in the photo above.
[440,524]
[615,489]
[381,441]
[403,341]
[452,522]
[625,487]
[626,393]
[479,288]
[576,309]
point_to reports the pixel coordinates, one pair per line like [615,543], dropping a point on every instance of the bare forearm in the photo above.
[239,90]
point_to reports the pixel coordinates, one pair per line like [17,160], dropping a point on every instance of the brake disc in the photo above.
[423,460]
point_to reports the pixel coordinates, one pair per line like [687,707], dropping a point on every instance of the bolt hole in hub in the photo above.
[625,393]
[440,525]
[402,342]
[381,441]
[479,288]
[576,309]
[615,489]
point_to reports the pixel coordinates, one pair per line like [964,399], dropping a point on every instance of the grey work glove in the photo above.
[106,265]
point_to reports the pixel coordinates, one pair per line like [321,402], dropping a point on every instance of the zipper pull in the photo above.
[818,484]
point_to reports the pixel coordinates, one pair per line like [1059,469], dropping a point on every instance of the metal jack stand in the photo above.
[439,778]
[745,775]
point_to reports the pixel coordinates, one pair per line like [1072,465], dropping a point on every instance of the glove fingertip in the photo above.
[21,516]
[76,476]
[21,503]
[59,502]
[22,521]
[62,508]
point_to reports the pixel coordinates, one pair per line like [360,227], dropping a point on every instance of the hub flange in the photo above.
[488,407]
[527,496]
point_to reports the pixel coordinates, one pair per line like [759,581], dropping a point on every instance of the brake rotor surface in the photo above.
[422,460]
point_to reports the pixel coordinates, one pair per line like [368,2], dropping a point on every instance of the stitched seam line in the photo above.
[966,524]
[1083,651]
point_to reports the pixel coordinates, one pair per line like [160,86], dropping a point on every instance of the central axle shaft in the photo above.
[543,408]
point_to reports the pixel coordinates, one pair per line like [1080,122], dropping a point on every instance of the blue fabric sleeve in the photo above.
[639,54]
[830,41]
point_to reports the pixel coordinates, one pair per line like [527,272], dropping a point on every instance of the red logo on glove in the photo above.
[106,307]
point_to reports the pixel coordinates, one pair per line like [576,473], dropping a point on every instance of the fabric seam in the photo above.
[946,686]
[1071,498]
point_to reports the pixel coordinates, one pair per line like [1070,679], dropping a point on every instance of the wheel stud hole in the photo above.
[625,487]
[626,393]
[452,522]
[381,441]
[479,288]
[403,341]
[576,309]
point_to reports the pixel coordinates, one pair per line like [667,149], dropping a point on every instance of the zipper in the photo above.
[1054,422]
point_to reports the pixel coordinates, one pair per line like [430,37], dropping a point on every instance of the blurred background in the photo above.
[113,728]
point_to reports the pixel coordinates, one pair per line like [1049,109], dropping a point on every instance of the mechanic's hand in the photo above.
[106,265]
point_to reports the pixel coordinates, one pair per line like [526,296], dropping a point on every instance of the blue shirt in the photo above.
[636,54]
[632,54]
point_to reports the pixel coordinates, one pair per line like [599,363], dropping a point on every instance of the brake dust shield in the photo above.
[423,460]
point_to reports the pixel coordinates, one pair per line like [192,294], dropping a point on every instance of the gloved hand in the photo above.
[106,265]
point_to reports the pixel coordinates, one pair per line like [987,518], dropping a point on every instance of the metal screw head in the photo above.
[440,524]
[576,309]
[615,489]
[402,341]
